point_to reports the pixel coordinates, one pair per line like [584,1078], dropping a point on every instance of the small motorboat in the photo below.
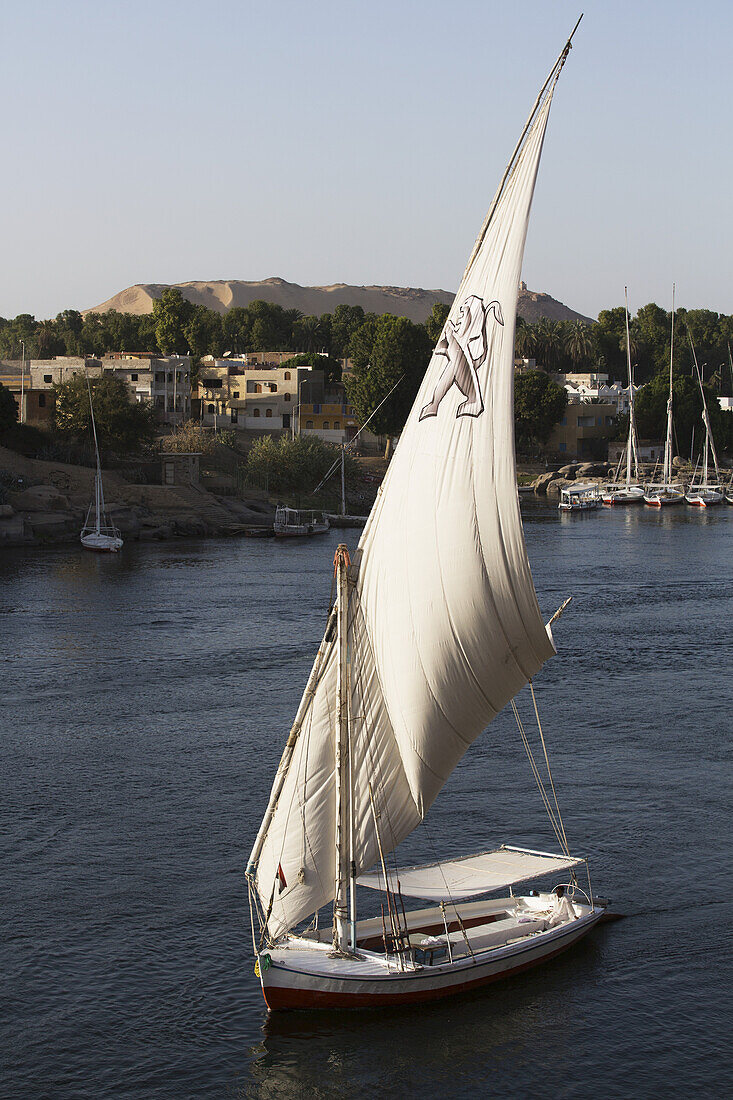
[294,523]
[579,498]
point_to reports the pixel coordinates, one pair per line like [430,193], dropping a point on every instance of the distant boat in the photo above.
[630,492]
[435,626]
[666,491]
[581,497]
[98,533]
[705,493]
[296,523]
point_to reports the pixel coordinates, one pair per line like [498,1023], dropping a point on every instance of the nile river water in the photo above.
[145,703]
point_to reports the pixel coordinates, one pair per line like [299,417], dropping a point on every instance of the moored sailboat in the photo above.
[434,628]
[98,533]
[667,491]
[705,493]
[630,492]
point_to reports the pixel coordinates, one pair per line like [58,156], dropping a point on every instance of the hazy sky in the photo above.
[361,142]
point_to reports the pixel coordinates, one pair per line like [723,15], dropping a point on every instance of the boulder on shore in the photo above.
[540,483]
[568,471]
[558,483]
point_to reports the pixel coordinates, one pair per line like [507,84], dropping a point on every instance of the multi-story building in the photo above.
[333,418]
[34,406]
[591,386]
[584,431]
[162,381]
[239,394]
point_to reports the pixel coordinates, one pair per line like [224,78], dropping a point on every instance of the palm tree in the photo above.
[578,341]
[310,332]
[525,343]
[549,340]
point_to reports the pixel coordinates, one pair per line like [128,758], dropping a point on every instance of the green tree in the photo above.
[294,466]
[172,313]
[436,321]
[237,330]
[343,323]
[8,409]
[539,404]
[386,350]
[609,332]
[122,425]
[308,333]
[525,343]
[204,332]
[579,342]
[650,407]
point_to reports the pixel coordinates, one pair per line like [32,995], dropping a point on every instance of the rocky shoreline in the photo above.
[46,503]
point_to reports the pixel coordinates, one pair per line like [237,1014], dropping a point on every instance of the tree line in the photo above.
[390,352]
[179,327]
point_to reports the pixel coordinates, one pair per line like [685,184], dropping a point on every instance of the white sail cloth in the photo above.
[444,625]
[471,876]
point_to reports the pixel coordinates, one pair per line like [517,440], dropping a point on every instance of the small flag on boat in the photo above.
[281,879]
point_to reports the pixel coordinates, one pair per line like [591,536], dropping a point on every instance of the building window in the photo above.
[286,397]
[287,376]
[170,473]
[210,410]
[309,423]
[170,377]
[133,378]
[236,394]
[268,412]
[48,378]
[326,425]
[337,424]
[41,401]
[209,383]
[233,416]
[562,446]
[256,412]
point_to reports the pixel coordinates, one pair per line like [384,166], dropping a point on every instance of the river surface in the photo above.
[145,703]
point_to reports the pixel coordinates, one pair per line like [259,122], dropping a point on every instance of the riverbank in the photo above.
[46,502]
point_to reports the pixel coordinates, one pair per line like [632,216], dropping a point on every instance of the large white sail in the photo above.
[444,625]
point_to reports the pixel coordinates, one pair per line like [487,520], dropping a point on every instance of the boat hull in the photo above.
[704,500]
[287,986]
[102,544]
[624,496]
[301,530]
[663,499]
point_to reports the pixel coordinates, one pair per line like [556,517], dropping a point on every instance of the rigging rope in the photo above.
[549,770]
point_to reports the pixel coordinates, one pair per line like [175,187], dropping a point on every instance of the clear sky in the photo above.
[361,142]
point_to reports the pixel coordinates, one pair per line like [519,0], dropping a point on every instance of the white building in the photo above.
[162,381]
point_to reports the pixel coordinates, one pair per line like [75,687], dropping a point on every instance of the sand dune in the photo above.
[223,294]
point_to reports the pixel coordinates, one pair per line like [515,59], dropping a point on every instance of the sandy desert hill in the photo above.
[410,302]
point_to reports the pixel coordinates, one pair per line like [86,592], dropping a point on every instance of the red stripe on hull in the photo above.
[279,997]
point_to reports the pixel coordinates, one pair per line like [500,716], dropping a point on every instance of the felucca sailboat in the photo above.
[98,533]
[435,627]
[631,492]
[705,493]
[667,491]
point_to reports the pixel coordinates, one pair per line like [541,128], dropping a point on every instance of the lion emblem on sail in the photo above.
[465,345]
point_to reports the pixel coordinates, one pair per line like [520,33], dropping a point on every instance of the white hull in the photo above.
[294,531]
[633,495]
[102,544]
[657,498]
[704,498]
[308,976]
